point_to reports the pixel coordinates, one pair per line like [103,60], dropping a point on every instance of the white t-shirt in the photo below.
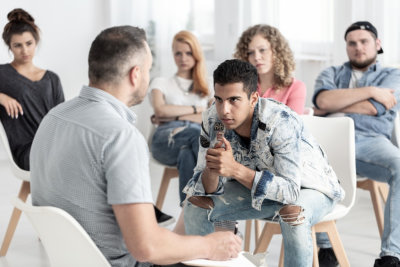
[176,91]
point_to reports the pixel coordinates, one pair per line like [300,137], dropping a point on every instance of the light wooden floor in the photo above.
[358,230]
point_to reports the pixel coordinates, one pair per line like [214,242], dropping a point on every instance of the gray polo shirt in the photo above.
[86,156]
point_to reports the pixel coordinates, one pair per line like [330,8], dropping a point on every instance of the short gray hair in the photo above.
[112,52]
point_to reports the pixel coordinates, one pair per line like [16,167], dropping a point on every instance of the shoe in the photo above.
[163,219]
[387,261]
[327,258]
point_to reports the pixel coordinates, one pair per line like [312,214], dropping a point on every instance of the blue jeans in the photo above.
[176,143]
[377,158]
[235,204]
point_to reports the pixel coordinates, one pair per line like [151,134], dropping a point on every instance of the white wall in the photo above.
[69,26]
[67,30]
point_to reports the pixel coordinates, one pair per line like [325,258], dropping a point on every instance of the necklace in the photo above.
[185,91]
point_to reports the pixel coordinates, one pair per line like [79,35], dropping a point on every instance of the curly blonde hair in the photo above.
[282,55]
[199,73]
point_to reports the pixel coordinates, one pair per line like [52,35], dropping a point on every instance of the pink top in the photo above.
[294,96]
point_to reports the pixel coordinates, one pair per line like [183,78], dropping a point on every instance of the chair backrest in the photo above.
[65,241]
[336,137]
[396,131]
[17,171]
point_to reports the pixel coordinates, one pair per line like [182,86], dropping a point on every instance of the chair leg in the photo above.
[282,255]
[383,191]
[247,236]
[315,248]
[376,202]
[168,174]
[337,245]
[269,230]
[257,227]
[16,214]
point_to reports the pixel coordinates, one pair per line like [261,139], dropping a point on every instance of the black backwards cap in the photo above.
[363,25]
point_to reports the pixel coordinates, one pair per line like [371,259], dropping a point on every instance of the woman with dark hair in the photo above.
[266,49]
[178,102]
[27,92]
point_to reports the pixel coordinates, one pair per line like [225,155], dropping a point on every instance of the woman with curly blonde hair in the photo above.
[266,49]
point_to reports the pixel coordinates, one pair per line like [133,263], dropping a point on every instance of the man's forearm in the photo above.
[244,175]
[338,99]
[210,181]
[363,107]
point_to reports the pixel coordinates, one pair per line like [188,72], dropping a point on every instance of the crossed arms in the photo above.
[368,100]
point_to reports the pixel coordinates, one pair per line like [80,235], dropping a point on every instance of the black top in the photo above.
[36,99]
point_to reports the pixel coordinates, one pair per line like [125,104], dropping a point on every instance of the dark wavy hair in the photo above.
[20,21]
[283,59]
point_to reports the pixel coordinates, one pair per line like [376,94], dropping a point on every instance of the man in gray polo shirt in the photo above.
[89,159]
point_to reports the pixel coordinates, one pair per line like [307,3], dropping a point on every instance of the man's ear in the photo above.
[134,76]
[378,44]
[254,98]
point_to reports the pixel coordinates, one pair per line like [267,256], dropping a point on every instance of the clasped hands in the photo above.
[220,160]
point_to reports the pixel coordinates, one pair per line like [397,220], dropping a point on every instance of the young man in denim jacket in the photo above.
[369,94]
[256,160]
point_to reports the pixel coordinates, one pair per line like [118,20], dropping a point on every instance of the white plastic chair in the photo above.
[64,239]
[23,192]
[336,137]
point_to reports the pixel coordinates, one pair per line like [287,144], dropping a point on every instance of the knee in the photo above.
[292,215]
[202,202]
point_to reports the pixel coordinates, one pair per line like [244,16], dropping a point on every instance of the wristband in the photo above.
[194,109]
[177,118]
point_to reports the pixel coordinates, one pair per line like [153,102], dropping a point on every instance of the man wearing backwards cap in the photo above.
[368,93]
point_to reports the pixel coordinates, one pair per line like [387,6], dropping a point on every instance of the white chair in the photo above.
[336,137]
[378,190]
[24,191]
[65,241]
[169,173]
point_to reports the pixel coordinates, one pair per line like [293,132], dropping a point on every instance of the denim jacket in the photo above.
[284,155]
[339,77]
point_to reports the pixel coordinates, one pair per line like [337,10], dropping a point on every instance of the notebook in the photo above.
[240,261]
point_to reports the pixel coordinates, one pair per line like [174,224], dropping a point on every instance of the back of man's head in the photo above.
[237,71]
[114,52]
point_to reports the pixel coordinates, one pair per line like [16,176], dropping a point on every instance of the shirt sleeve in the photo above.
[158,83]
[297,97]
[392,81]
[195,185]
[282,185]
[58,90]
[325,81]
[126,166]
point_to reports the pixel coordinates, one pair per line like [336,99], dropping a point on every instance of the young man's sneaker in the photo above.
[163,219]
[327,258]
[387,261]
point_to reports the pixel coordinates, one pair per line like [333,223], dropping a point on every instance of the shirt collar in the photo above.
[98,95]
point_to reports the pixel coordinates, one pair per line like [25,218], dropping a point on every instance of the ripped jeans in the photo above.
[176,143]
[235,204]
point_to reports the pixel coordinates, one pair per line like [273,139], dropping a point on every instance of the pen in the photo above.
[236,228]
